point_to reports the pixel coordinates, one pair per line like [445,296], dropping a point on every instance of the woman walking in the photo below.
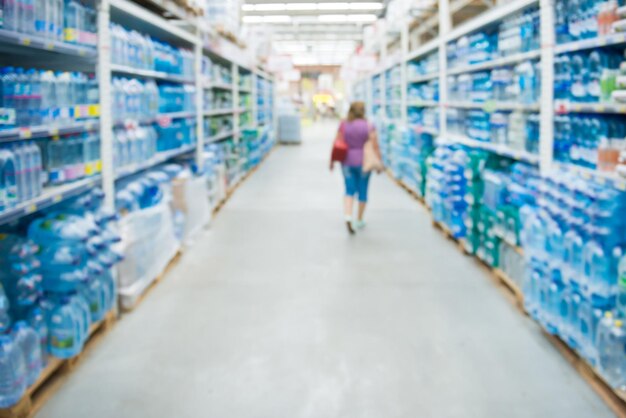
[356,132]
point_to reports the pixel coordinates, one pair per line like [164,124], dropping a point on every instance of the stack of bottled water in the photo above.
[519,83]
[44,97]
[67,21]
[134,99]
[133,145]
[176,98]
[176,134]
[518,33]
[77,259]
[577,138]
[577,19]
[218,125]
[587,77]
[218,99]
[55,284]
[216,72]
[573,243]
[424,91]
[20,174]
[446,187]
[427,65]
[138,100]
[424,116]
[133,49]
[71,157]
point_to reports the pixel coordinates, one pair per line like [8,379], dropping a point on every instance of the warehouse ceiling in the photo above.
[321,32]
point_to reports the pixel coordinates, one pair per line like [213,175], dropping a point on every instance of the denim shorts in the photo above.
[356,182]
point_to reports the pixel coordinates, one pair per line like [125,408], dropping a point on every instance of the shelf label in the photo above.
[93,110]
[26,133]
[561,107]
[54,131]
[70,35]
[620,185]
[31,209]
[490,106]
[601,108]
[164,121]
[25,41]
[49,46]
[57,198]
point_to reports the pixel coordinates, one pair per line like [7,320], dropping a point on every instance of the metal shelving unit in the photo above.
[447,33]
[185,32]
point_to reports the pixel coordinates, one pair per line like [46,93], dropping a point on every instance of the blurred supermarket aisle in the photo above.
[277,312]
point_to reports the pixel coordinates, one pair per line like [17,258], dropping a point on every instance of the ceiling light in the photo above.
[362,18]
[277,19]
[332,6]
[332,18]
[269,7]
[252,19]
[366,6]
[301,6]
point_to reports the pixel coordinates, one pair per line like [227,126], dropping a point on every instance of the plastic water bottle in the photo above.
[12,372]
[28,341]
[611,342]
[63,327]
[27,16]
[41,17]
[8,180]
[37,321]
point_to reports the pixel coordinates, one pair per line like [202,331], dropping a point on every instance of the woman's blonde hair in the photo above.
[357,111]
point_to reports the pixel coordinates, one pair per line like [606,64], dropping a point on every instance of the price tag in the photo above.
[490,106]
[620,185]
[77,112]
[93,110]
[621,109]
[70,35]
[54,132]
[98,166]
[57,198]
[577,108]
[26,133]
[31,208]
[164,121]
[90,169]
[82,52]
[601,180]
[25,41]
[561,107]
[602,41]
[585,175]
[601,108]
[49,46]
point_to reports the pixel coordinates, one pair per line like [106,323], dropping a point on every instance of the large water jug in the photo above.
[28,341]
[64,328]
[611,342]
[12,372]
[82,307]
[37,321]
[5,319]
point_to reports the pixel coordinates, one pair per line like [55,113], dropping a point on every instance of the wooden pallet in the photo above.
[615,399]
[459,242]
[406,187]
[154,283]
[55,373]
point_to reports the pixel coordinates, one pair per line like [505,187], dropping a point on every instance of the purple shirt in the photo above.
[356,134]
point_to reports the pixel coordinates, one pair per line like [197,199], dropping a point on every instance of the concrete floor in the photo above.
[277,312]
